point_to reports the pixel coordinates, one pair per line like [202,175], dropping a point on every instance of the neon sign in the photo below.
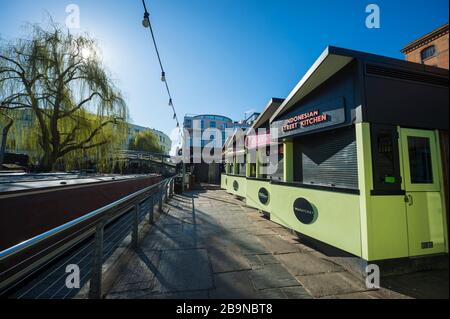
[305,120]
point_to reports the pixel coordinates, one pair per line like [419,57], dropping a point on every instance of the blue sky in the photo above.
[225,56]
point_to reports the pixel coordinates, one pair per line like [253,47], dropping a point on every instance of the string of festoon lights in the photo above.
[146,23]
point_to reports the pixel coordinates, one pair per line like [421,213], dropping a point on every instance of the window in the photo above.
[385,158]
[242,167]
[427,53]
[279,174]
[327,159]
[252,172]
[231,168]
[264,163]
[420,165]
[212,124]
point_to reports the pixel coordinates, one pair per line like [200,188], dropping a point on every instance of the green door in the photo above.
[423,192]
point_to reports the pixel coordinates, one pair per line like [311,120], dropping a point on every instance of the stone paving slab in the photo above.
[258,231]
[300,264]
[247,243]
[259,260]
[424,284]
[161,241]
[183,270]
[272,276]
[233,285]
[276,245]
[285,293]
[139,272]
[330,284]
[179,295]
[226,259]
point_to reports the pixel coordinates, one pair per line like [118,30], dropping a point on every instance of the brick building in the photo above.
[430,49]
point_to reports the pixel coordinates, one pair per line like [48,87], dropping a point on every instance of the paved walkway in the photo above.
[209,245]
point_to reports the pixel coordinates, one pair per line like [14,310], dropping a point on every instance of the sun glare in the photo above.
[86,53]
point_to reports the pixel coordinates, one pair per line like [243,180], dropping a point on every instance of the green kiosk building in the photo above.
[363,157]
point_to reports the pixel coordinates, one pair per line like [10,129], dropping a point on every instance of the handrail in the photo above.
[97,212]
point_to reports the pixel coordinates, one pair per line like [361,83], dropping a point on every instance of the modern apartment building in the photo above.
[207,121]
[196,126]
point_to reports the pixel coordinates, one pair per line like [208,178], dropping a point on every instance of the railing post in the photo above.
[172,187]
[134,230]
[152,206]
[95,288]
[166,190]
[160,200]
[182,178]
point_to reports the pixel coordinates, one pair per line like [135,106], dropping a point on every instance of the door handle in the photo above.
[409,200]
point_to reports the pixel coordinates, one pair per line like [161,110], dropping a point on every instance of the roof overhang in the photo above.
[267,113]
[329,63]
[334,59]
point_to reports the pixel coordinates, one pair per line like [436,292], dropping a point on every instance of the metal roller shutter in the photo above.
[328,159]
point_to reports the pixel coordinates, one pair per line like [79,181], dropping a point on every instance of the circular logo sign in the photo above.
[304,211]
[263,195]
[235,185]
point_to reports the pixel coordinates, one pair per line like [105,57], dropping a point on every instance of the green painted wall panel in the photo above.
[337,223]
[443,194]
[253,188]
[288,161]
[364,155]
[223,179]
[229,183]
[242,182]
[425,223]
[388,226]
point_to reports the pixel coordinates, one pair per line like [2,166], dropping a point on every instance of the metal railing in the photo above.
[100,218]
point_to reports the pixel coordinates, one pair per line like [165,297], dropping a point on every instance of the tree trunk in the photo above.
[48,161]
[4,139]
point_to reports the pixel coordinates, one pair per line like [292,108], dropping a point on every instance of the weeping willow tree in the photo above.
[77,111]
[145,141]
[8,95]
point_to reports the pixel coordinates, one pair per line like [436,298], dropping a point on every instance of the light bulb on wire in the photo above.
[146,20]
